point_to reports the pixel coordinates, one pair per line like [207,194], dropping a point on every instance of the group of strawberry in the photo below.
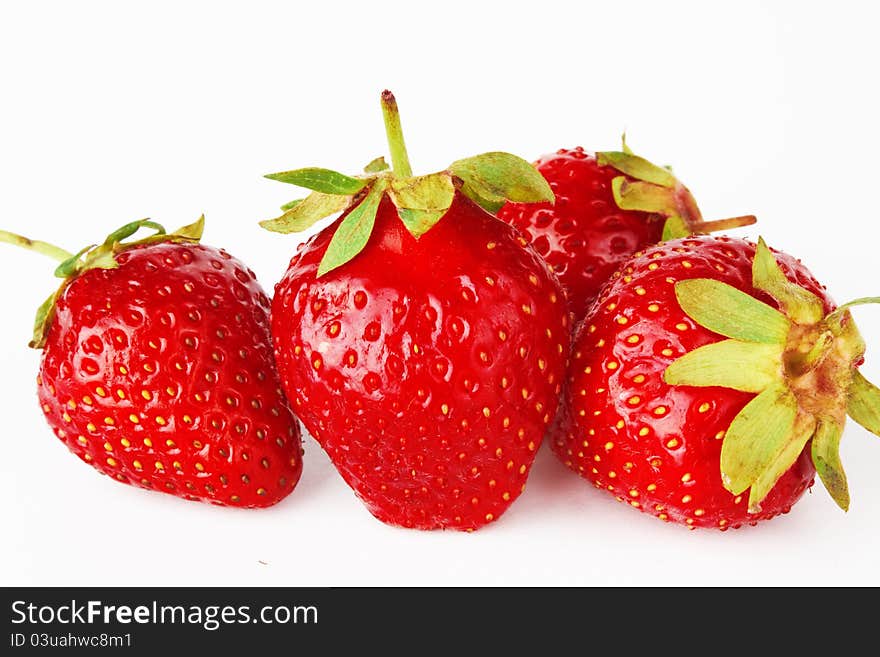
[429,348]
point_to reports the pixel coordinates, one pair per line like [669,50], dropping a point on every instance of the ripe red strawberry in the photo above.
[700,377]
[608,206]
[157,369]
[427,358]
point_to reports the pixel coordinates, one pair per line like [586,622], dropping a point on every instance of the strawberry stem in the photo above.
[391,115]
[54,252]
[835,319]
[722,224]
[862,301]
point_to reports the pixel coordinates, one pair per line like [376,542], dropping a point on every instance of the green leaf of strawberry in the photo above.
[674,227]
[801,305]
[422,200]
[647,197]
[756,435]
[191,232]
[746,366]
[863,403]
[783,451]
[500,177]
[825,453]
[431,192]
[41,321]
[637,167]
[72,263]
[320,180]
[303,214]
[724,309]
[490,180]
[352,234]
[376,166]
[761,443]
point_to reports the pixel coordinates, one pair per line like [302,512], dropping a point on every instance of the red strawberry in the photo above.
[426,358]
[700,377]
[157,369]
[608,206]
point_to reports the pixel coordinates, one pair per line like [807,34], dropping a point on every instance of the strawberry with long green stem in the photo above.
[421,340]
[157,368]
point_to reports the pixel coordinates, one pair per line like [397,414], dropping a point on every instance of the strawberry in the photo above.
[420,340]
[608,206]
[157,369]
[709,383]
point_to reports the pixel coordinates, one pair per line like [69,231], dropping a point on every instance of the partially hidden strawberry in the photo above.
[421,340]
[711,381]
[157,368]
[608,206]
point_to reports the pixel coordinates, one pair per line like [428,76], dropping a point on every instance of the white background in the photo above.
[118,110]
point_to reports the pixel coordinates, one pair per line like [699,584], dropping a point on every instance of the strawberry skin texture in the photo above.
[160,374]
[430,369]
[584,237]
[654,446]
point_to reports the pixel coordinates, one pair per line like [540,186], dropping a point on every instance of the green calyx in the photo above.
[646,187]
[489,180]
[800,363]
[95,256]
